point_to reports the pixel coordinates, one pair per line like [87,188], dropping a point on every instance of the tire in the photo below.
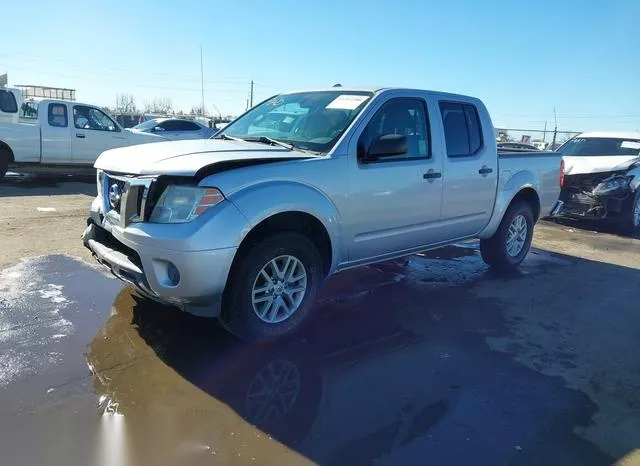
[4,161]
[631,222]
[240,315]
[495,251]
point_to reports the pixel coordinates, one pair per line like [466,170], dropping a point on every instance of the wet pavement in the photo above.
[416,361]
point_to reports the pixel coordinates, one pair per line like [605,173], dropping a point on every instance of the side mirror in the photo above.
[387,145]
[158,129]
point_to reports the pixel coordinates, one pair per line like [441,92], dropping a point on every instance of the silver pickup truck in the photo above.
[245,226]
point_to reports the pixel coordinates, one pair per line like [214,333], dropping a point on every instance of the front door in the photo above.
[472,170]
[394,201]
[93,132]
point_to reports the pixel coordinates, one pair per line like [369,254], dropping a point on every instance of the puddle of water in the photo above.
[396,371]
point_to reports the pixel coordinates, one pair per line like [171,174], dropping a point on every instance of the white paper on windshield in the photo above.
[347,102]
[287,120]
[630,145]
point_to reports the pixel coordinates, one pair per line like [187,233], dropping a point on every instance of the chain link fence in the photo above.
[542,138]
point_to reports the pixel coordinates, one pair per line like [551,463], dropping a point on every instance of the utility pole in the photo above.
[251,95]
[202,78]
[555,131]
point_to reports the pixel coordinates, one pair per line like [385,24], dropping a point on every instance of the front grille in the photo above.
[121,185]
[125,198]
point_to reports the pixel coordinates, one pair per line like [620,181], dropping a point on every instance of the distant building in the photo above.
[46,92]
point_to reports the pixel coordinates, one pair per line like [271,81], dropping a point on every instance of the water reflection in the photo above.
[378,377]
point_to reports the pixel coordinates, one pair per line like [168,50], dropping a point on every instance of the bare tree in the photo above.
[197,110]
[125,103]
[158,105]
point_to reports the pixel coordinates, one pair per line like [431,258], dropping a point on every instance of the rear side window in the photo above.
[179,125]
[462,131]
[29,110]
[8,102]
[57,115]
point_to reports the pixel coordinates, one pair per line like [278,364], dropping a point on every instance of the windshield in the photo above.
[600,146]
[147,125]
[307,120]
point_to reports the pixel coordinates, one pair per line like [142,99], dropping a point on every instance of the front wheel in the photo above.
[631,223]
[274,289]
[509,245]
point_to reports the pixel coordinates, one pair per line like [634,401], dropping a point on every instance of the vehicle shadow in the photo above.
[15,184]
[394,367]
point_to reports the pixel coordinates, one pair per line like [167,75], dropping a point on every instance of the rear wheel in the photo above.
[4,161]
[509,245]
[274,289]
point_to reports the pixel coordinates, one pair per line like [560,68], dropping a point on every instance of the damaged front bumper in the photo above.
[599,196]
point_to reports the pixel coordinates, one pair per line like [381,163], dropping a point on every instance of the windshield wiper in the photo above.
[226,137]
[271,141]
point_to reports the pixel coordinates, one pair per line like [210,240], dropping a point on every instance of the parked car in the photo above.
[246,226]
[50,133]
[517,146]
[601,178]
[175,128]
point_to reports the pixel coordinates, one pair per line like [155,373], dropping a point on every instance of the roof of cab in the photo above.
[379,90]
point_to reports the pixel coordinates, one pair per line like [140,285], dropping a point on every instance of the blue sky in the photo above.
[521,58]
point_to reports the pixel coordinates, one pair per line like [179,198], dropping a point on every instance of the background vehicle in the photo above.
[10,101]
[517,146]
[60,133]
[175,128]
[602,178]
[246,226]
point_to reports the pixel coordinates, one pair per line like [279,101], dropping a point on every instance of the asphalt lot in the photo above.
[432,359]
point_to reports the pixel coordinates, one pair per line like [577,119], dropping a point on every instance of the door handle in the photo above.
[80,135]
[432,175]
[485,170]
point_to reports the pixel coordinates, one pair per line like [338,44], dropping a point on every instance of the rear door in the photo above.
[93,132]
[394,202]
[471,165]
[55,132]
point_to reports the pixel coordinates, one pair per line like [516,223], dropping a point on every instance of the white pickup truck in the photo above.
[37,134]
[246,226]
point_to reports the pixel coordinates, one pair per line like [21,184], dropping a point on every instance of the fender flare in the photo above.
[260,201]
[518,182]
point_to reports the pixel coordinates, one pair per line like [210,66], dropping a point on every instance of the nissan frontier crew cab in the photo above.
[245,226]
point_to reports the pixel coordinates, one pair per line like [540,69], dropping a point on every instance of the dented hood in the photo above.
[574,165]
[185,158]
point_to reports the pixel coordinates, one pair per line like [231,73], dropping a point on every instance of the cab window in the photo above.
[57,115]
[92,118]
[405,116]
[29,110]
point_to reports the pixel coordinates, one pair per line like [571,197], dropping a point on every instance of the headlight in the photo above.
[181,204]
[613,184]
